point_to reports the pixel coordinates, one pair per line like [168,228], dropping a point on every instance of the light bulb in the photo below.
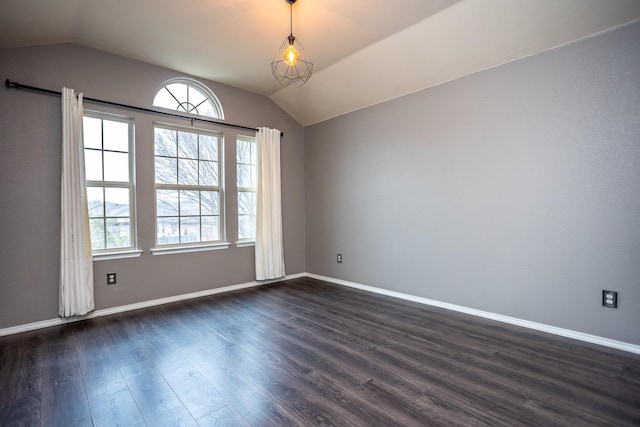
[291,56]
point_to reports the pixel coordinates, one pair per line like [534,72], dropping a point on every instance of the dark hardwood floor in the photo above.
[306,352]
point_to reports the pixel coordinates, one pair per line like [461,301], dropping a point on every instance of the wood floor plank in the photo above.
[21,378]
[632,375]
[226,416]
[293,395]
[548,383]
[204,332]
[100,372]
[369,411]
[197,395]
[253,405]
[307,352]
[280,365]
[154,398]
[558,414]
[116,410]
[64,399]
[398,375]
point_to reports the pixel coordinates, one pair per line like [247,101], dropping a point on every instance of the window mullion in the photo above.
[186,187]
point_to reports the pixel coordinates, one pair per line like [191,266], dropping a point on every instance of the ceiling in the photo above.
[364,51]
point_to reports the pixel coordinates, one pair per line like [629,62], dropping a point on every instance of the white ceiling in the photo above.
[364,51]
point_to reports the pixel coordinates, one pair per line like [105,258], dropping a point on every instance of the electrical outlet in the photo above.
[111,278]
[339,258]
[610,299]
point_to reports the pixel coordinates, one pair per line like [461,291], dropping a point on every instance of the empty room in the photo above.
[318,212]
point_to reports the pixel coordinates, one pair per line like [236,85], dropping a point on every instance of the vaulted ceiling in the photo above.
[364,51]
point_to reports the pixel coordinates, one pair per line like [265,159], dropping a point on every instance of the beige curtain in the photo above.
[76,263]
[269,241]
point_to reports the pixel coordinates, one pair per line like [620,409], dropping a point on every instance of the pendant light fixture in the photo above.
[291,66]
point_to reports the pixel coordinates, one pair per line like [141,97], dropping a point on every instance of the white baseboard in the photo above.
[136,306]
[594,339]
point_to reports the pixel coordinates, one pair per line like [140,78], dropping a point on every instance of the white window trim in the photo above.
[105,256]
[245,243]
[185,249]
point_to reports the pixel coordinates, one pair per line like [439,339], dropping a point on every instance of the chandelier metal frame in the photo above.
[287,74]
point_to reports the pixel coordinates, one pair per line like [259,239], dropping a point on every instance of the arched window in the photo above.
[188,96]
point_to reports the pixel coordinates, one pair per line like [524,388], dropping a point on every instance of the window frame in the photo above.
[221,243]
[246,241]
[125,251]
[208,93]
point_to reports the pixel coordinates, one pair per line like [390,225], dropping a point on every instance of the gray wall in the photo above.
[515,190]
[30,135]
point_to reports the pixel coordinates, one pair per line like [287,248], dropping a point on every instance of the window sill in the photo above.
[245,243]
[185,249]
[104,256]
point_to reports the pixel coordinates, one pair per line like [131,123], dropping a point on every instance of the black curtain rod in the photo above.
[16,85]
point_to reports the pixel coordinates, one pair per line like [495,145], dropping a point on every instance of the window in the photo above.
[188,186]
[188,96]
[246,162]
[108,153]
